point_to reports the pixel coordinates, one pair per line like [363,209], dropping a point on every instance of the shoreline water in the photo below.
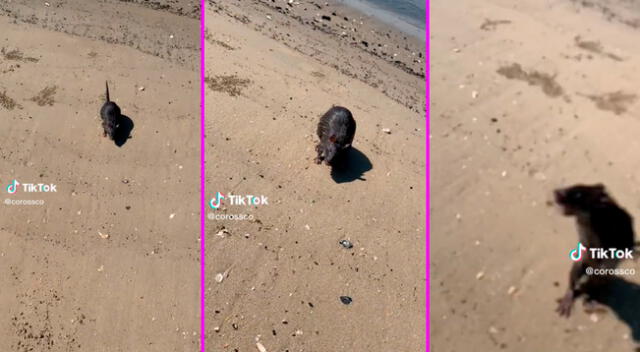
[402,22]
[334,33]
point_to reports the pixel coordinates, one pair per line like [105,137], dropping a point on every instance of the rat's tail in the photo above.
[107,85]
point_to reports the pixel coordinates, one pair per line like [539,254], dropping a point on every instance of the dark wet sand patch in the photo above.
[45,96]
[490,25]
[230,84]
[16,55]
[594,47]
[617,102]
[214,41]
[534,78]
[7,102]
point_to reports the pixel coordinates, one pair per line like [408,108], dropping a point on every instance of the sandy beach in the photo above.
[110,261]
[526,98]
[280,278]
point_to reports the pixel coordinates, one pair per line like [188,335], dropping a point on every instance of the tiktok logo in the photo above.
[576,254]
[217,201]
[13,187]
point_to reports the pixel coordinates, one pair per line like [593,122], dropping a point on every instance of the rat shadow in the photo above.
[350,166]
[123,131]
[623,297]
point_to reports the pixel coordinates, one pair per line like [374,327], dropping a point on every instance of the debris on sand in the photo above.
[480,275]
[386,130]
[219,277]
[346,300]
[104,236]
[223,232]
[260,347]
[346,244]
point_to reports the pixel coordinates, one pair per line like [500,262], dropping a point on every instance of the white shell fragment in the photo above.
[260,347]
[219,277]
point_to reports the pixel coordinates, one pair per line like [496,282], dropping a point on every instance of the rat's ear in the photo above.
[599,187]
[332,139]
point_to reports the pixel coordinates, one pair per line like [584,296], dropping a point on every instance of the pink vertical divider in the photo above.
[202,181]
[427,175]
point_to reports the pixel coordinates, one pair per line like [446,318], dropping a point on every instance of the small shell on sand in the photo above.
[260,347]
[219,277]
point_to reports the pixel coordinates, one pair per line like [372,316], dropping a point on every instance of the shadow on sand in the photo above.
[123,132]
[350,166]
[623,297]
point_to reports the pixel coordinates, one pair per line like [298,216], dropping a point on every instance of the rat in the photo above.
[336,130]
[601,223]
[110,114]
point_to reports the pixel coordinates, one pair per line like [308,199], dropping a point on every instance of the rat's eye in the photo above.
[577,195]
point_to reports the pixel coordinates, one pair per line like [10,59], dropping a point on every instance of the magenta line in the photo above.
[427,176]
[202,181]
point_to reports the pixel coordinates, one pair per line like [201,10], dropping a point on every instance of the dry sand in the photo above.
[63,286]
[284,271]
[555,104]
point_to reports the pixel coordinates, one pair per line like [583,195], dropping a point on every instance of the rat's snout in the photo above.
[560,195]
